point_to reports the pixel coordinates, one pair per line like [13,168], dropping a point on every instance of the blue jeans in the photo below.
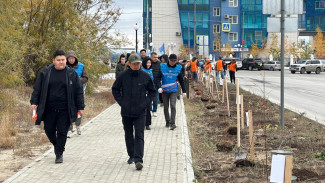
[155,102]
[222,74]
[194,76]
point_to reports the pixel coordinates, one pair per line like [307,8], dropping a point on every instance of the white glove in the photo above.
[184,95]
[160,90]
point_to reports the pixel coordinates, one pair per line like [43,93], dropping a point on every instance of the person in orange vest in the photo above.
[208,67]
[232,70]
[220,68]
[194,68]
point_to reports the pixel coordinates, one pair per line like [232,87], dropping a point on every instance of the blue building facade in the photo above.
[253,22]
[315,14]
[230,13]
[215,26]
[186,14]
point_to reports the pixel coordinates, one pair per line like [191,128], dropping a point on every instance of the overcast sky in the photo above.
[131,14]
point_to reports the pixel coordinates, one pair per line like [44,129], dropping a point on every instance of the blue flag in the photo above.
[162,49]
[152,49]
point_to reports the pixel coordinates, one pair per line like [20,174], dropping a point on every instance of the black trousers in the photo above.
[232,76]
[56,126]
[134,143]
[148,117]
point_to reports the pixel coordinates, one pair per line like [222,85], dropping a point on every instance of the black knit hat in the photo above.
[193,59]
[172,57]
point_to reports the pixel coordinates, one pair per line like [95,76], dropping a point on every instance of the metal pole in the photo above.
[136,41]
[147,26]
[188,35]
[194,24]
[282,63]
[243,45]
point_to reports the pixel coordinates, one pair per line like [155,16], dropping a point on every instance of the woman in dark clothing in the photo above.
[146,67]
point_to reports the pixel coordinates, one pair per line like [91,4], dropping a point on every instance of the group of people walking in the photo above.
[137,88]
[58,95]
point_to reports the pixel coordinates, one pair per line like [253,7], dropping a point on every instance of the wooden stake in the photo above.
[238,113]
[251,135]
[288,169]
[223,91]
[242,111]
[216,83]
[227,96]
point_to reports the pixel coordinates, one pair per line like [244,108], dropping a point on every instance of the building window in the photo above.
[233,3]
[320,4]
[233,36]
[258,35]
[216,46]
[233,19]
[216,11]
[216,28]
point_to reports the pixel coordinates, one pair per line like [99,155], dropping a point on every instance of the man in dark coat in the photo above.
[155,66]
[58,97]
[133,90]
[120,65]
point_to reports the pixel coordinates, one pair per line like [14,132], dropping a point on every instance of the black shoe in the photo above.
[130,160]
[148,127]
[178,97]
[138,165]
[167,125]
[172,127]
[59,158]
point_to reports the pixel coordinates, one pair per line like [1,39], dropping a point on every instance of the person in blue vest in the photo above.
[146,67]
[170,76]
[72,62]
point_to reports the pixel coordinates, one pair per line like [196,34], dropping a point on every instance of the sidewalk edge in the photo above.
[188,164]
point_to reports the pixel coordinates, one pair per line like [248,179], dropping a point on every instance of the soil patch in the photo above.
[213,136]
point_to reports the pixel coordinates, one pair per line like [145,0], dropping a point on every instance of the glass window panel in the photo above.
[184,1]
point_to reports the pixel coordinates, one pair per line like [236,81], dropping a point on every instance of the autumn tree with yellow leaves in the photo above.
[319,44]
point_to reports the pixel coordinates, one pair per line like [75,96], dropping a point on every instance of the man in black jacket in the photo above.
[133,90]
[155,66]
[58,97]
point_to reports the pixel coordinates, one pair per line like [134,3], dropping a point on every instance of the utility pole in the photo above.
[147,27]
[243,38]
[282,63]
[188,35]
[194,24]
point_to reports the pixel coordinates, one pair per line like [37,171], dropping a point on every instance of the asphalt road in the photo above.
[303,93]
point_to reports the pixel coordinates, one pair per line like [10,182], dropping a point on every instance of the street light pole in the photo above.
[136,27]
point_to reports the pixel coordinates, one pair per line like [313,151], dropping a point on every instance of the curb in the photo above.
[188,164]
[10,179]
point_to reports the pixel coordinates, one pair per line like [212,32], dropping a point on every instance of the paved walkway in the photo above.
[99,154]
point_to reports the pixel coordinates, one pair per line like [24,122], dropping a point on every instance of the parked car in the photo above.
[272,65]
[323,62]
[252,63]
[308,66]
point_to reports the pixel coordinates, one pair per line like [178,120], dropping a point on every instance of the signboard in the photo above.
[291,24]
[226,27]
[273,7]
[235,49]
